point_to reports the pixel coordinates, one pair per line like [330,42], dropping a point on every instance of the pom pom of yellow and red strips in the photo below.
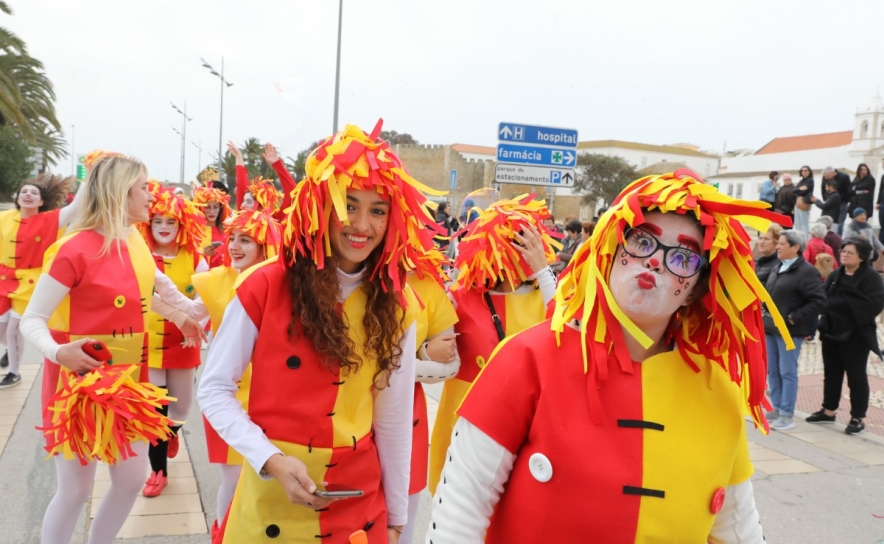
[97,416]
[265,230]
[266,195]
[724,328]
[93,156]
[190,218]
[486,255]
[353,159]
[203,194]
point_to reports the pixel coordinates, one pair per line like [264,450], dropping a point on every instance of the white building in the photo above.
[741,176]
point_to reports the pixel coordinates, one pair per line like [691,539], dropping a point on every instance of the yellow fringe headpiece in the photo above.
[204,194]
[265,230]
[723,327]
[353,159]
[93,156]
[486,255]
[208,174]
[266,195]
[190,218]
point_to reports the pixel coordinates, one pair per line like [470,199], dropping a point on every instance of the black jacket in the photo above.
[805,193]
[764,265]
[799,296]
[852,308]
[831,206]
[843,184]
[862,194]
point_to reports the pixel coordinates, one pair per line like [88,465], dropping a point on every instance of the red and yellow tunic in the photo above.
[214,234]
[164,338]
[215,288]
[655,468]
[437,315]
[24,242]
[476,341]
[109,300]
[332,436]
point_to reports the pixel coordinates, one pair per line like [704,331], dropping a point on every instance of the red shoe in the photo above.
[155,484]
[174,445]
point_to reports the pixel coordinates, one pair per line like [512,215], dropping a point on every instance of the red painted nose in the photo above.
[654,262]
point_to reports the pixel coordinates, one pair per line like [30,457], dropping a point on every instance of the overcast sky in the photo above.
[447,71]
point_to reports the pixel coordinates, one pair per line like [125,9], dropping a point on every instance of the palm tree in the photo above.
[27,99]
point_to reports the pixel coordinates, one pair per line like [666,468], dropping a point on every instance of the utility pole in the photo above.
[183,134]
[338,65]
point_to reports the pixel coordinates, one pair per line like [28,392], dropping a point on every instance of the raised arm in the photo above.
[285,178]
[242,175]
[69,212]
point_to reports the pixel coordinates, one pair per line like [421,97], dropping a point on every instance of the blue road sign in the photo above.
[540,156]
[453,179]
[530,134]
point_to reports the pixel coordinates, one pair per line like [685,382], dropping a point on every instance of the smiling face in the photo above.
[138,201]
[164,230]
[212,210]
[248,201]
[29,198]
[367,213]
[244,250]
[644,288]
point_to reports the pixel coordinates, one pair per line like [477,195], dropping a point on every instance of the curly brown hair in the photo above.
[53,190]
[315,306]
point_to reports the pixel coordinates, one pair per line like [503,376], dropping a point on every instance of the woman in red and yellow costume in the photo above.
[25,234]
[252,237]
[329,331]
[97,285]
[215,204]
[260,193]
[174,235]
[621,419]
[504,286]
[437,361]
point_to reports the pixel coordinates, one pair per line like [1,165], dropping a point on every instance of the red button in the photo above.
[717,501]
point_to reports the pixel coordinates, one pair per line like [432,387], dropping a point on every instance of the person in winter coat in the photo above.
[831,206]
[861,228]
[832,239]
[854,298]
[803,194]
[797,291]
[842,182]
[766,248]
[862,189]
[785,201]
[817,245]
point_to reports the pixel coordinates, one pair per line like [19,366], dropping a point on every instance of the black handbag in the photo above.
[825,329]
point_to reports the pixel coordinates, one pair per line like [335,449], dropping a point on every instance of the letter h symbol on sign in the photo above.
[518,133]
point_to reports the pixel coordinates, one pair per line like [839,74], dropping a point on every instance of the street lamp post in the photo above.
[221,117]
[338,64]
[183,134]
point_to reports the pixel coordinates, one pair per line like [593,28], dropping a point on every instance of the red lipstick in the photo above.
[646,281]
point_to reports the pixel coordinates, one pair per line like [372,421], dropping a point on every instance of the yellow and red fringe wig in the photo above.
[265,230]
[266,195]
[204,194]
[724,327]
[486,255]
[93,156]
[190,218]
[352,159]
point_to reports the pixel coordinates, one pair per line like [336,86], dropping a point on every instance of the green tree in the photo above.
[392,137]
[601,178]
[27,98]
[15,165]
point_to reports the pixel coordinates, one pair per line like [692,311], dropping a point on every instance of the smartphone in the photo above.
[337,492]
[98,351]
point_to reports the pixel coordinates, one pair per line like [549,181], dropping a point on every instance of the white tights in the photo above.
[414,501]
[229,479]
[12,337]
[74,489]
[179,382]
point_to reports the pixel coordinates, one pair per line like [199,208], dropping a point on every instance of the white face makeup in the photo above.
[645,288]
[29,198]
[164,229]
[367,212]
[244,250]
[248,201]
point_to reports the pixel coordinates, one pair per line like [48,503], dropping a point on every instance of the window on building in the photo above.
[864,129]
[730,189]
[644,162]
[739,190]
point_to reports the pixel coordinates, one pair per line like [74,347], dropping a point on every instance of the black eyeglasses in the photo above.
[679,260]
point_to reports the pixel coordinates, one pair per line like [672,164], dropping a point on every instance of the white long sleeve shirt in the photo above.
[228,358]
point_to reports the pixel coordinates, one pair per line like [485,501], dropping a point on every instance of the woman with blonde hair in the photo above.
[97,286]
[766,249]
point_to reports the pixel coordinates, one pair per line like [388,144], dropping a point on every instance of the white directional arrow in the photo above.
[506,132]
[569,158]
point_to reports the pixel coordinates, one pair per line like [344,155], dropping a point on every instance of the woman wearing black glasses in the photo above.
[620,420]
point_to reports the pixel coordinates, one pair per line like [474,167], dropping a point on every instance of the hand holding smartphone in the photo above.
[338,492]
